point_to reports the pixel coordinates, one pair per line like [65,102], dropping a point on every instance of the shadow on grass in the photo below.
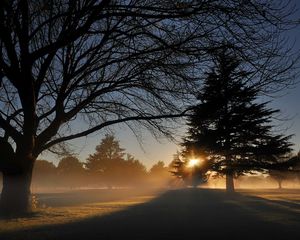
[181,214]
[6,216]
[79,197]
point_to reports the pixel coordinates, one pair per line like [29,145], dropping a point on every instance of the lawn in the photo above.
[172,214]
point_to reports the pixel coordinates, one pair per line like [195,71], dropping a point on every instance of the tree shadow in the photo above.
[179,214]
[79,197]
[8,216]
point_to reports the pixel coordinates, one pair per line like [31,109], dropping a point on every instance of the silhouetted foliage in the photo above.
[106,62]
[71,172]
[108,153]
[158,168]
[286,168]
[190,175]
[279,176]
[159,175]
[110,165]
[134,173]
[44,174]
[177,167]
[229,126]
[69,164]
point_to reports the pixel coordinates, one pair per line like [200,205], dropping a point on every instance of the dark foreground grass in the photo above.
[176,214]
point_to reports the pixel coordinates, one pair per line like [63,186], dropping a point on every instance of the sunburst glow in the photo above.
[193,163]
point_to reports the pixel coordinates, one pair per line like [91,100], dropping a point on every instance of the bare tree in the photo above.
[97,63]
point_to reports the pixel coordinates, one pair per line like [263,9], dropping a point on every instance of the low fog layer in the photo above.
[161,178]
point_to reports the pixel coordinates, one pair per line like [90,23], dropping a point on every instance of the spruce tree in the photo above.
[229,126]
[108,154]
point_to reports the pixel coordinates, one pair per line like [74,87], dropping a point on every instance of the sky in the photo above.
[149,151]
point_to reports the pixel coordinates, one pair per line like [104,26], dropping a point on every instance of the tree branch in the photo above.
[112,122]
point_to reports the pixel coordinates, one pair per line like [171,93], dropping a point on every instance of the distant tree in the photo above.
[69,164]
[44,166]
[279,176]
[108,155]
[159,174]
[110,165]
[44,174]
[287,168]
[158,168]
[295,162]
[70,171]
[229,126]
[134,165]
[133,171]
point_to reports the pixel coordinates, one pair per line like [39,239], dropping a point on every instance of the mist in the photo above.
[253,182]
[51,179]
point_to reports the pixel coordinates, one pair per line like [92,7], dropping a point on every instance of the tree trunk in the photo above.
[16,196]
[229,183]
[279,184]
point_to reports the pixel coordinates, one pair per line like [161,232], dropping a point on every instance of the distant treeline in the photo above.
[109,166]
[71,173]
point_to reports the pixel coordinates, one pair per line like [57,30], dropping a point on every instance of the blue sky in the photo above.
[153,151]
[150,150]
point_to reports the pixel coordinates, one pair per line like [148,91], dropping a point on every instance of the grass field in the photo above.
[172,214]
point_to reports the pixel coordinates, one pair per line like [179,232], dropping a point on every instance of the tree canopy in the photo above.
[112,166]
[108,154]
[229,126]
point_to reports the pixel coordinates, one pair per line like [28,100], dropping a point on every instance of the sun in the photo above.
[193,163]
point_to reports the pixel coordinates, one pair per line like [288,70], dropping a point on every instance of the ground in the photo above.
[173,214]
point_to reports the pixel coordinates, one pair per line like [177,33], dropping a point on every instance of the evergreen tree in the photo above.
[229,126]
[177,166]
[108,154]
[111,166]
[190,174]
